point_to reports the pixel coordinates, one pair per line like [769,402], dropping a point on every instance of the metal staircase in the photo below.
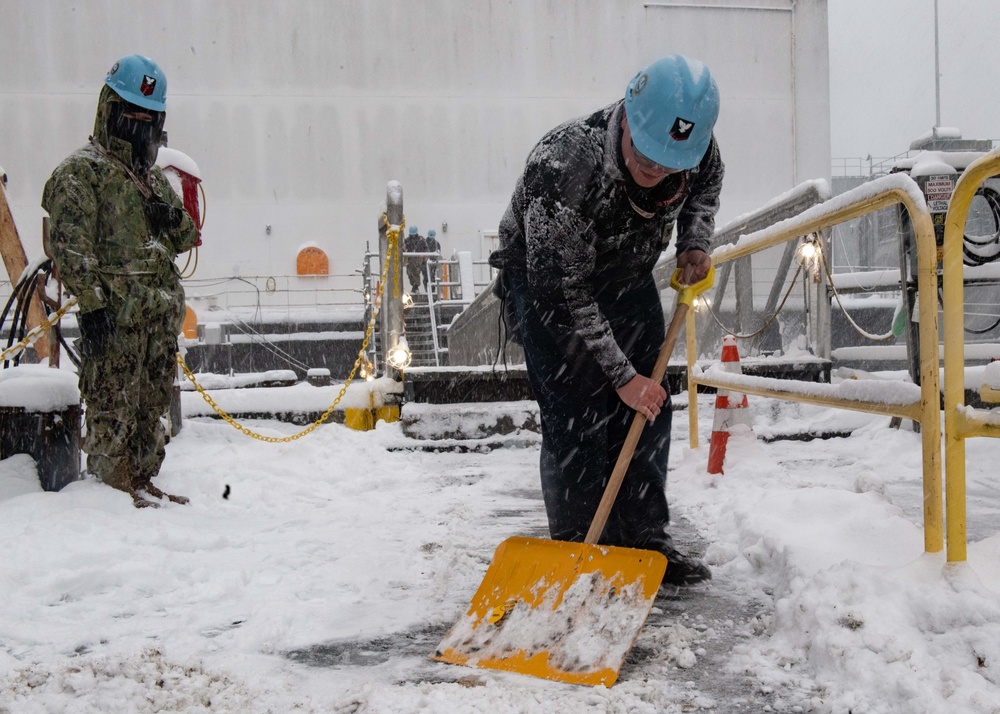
[420,320]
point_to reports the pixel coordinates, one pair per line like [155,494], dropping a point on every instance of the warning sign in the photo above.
[938,190]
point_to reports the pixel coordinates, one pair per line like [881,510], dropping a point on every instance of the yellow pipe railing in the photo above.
[691,346]
[960,421]
[873,196]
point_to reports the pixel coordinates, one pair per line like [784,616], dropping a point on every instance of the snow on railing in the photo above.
[875,397]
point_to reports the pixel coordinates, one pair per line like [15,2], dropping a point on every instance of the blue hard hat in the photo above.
[139,80]
[431,233]
[671,107]
[413,229]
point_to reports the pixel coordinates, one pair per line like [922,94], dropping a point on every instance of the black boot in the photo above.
[684,570]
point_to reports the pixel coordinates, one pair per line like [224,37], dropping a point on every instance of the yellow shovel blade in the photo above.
[557,610]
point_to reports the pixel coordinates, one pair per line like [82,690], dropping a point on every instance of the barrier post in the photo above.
[691,342]
[880,193]
[953,289]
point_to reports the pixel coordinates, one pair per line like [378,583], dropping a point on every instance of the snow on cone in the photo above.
[732,412]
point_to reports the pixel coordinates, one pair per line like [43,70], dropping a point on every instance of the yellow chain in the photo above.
[36,332]
[392,234]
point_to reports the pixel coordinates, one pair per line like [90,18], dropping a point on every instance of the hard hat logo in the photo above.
[148,85]
[640,84]
[114,68]
[681,130]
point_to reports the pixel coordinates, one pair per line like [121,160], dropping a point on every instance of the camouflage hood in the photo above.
[100,237]
[141,154]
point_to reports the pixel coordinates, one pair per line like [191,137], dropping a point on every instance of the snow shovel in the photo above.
[561,610]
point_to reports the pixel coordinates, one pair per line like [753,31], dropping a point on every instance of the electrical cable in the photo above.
[969,330]
[24,304]
[70,352]
[21,297]
[970,246]
[772,318]
[992,197]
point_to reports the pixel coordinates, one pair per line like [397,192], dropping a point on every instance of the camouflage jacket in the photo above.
[99,238]
[585,232]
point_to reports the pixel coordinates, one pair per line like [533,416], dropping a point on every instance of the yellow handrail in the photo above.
[960,421]
[868,198]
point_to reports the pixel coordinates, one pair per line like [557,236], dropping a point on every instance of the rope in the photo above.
[857,328]
[247,329]
[184,274]
[771,319]
[194,251]
[392,234]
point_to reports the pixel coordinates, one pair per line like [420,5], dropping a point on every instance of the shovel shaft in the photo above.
[635,431]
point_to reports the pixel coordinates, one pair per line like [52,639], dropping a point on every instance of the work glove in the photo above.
[96,329]
[162,216]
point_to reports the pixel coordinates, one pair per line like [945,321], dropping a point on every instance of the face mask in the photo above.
[141,128]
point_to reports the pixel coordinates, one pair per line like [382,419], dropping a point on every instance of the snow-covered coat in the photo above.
[574,227]
[101,242]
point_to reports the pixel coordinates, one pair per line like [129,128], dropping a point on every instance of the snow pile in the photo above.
[328,571]
[38,388]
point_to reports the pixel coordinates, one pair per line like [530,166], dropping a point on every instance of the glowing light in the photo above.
[808,250]
[399,356]
[366,370]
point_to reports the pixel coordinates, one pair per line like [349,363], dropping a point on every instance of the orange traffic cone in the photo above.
[731,409]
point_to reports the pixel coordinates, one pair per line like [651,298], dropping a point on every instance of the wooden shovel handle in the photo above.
[635,431]
[685,301]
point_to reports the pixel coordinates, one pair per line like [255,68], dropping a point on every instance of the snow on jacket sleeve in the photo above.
[696,222]
[71,201]
[560,259]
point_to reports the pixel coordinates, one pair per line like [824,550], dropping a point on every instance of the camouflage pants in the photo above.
[126,391]
[414,271]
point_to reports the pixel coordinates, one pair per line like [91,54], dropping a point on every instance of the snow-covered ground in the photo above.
[338,561]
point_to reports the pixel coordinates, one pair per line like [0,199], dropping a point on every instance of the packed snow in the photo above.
[320,575]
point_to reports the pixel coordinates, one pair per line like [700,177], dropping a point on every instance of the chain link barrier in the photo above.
[36,332]
[393,236]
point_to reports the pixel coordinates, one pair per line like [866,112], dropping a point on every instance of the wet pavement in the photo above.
[688,638]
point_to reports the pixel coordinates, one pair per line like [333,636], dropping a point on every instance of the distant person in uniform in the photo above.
[414,265]
[116,227]
[590,216]
[431,245]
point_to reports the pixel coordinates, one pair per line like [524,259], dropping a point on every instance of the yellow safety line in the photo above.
[37,331]
[393,234]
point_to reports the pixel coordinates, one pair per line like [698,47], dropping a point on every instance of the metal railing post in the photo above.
[691,343]
[959,421]
[392,293]
[431,291]
[873,196]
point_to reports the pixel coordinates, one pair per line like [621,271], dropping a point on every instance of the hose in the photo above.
[970,254]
